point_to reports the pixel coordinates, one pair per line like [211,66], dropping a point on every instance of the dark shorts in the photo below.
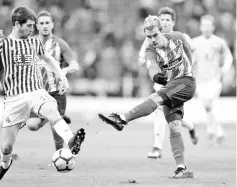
[61,101]
[174,94]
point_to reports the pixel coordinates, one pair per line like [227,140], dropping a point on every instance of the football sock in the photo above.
[6,159]
[188,124]
[144,109]
[177,147]
[58,140]
[192,133]
[63,130]
[210,122]
[159,129]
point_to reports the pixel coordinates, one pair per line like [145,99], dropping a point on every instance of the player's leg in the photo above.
[46,106]
[8,137]
[214,128]
[34,123]
[16,112]
[173,117]
[159,134]
[162,97]
[142,110]
[208,93]
[61,102]
[188,123]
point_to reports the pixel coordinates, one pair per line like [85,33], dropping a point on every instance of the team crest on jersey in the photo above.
[7,119]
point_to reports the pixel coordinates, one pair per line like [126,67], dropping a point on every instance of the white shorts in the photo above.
[157,87]
[18,108]
[209,91]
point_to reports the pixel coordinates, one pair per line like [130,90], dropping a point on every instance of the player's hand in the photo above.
[160,78]
[63,85]
[64,70]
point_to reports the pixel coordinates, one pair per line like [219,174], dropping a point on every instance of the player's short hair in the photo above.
[151,22]
[22,14]
[167,10]
[44,13]
[208,17]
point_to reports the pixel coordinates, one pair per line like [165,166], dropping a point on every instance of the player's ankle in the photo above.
[181,166]
[123,117]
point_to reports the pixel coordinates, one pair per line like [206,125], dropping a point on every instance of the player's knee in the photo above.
[33,127]
[208,108]
[53,116]
[34,124]
[156,98]
[7,147]
[175,126]
[52,113]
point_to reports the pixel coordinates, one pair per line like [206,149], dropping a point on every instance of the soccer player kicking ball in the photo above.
[22,82]
[167,18]
[61,52]
[168,55]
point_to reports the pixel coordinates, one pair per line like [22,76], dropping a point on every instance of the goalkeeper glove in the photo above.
[160,78]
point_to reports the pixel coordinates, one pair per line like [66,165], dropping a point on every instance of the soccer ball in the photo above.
[63,160]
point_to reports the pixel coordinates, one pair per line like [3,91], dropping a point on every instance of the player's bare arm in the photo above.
[68,57]
[152,66]
[71,68]
[58,71]
[227,58]
[187,48]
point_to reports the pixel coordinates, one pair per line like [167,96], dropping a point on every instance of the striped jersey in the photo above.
[174,61]
[60,50]
[145,44]
[211,55]
[19,59]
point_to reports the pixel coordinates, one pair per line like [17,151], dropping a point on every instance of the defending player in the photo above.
[23,86]
[61,52]
[167,19]
[213,59]
[167,55]
[2,36]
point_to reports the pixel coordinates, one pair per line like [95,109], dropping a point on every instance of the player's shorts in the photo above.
[17,108]
[209,91]
[157,87]
[61,101]
[175,93]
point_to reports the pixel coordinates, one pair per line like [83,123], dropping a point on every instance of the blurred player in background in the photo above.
[168,55]
[62,53]
[213,59]
[23,88]
[167,19]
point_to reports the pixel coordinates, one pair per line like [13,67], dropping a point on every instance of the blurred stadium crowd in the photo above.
[106,36]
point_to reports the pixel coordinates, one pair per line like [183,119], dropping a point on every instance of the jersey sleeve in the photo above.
[151,62]
[66,51]
[187,48]
[189,41]
[40,47]
[1,39]
[226,57]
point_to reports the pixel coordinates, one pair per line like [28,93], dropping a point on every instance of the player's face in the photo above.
[45,25]
[166,22]
[207,27]
[26,29]
[155,37]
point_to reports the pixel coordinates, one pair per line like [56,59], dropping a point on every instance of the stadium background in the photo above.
[105,36]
